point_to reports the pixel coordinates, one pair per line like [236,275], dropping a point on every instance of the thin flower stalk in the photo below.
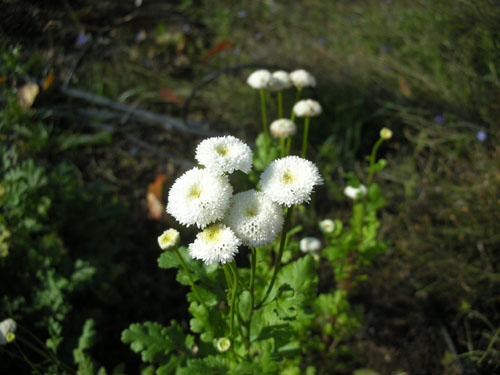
[297,97]
[263,110]
[280,255]
[304,138]
[280,104]
[372,161]
[190,278]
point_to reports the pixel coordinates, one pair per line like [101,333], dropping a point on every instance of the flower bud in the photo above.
[169,239]
[385,133]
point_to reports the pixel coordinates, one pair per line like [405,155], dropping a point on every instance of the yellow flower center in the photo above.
[212,234]
[288,177]
[194,192]
[222,150]
[251,211]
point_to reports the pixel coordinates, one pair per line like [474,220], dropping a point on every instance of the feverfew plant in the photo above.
[243,319]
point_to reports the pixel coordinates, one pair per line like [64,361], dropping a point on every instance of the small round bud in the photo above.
[11,336]
[283,128]
[327,225]
[223,344]
[310,245]
[307,108]
[385,133]
[169,239]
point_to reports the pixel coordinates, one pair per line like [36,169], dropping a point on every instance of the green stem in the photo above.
[372,161]
[304,138]
[253,262]
[280,104]
[288,145]
[263,110]
[490,345]
[297,97]
[191,282]
[282,144]
[280,254]
[232,266]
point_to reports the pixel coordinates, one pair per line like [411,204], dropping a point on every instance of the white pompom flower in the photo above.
[220,155]
[199,197]
[355,193]
[254,218]
[310,245]
[169,239]
[302,78]
[281,80]
[283,128]
[327,225]
[307,108]
[7,329]
[290,180]
[261,79]
[215,244]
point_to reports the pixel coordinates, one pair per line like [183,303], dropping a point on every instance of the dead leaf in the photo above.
[171,96]
[154,197]
[26,95]
[404,87]
[48,82]
[221,46]
[3,79]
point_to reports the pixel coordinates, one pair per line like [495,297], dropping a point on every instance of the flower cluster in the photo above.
[204,197]
[280,80]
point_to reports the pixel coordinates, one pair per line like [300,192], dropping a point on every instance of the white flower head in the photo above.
[254,218]
[302,78]
[307,108]
[327,225]
[7,329]
[215,244]
[281,80]
[220,155]
[310,245]
[283,128]
[223,344]
[386,133]
[290,180]
[169,239]
[355,193]
[261,79]
[199,197]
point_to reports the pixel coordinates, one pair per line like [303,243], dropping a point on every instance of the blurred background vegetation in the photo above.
[83,182]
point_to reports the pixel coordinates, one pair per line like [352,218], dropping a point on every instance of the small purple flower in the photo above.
[186,28]
[258,35]
[322,41]
[242,13]
[384,48]
[387,67]
[439,119]
[236,51]
[481,136]
[81,39]
[140,36]
[388,1]
[133,150]
[346,71]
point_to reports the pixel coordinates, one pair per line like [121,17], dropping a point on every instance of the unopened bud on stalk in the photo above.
[386,133]
[169,239]
[223,344]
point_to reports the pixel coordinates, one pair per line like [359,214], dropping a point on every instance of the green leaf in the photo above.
[153,340]
[209,323]
[85,341]
[244,303]
[74,140]
[365,371]
[210,365]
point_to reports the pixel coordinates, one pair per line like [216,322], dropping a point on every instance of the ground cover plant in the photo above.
[103,108]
